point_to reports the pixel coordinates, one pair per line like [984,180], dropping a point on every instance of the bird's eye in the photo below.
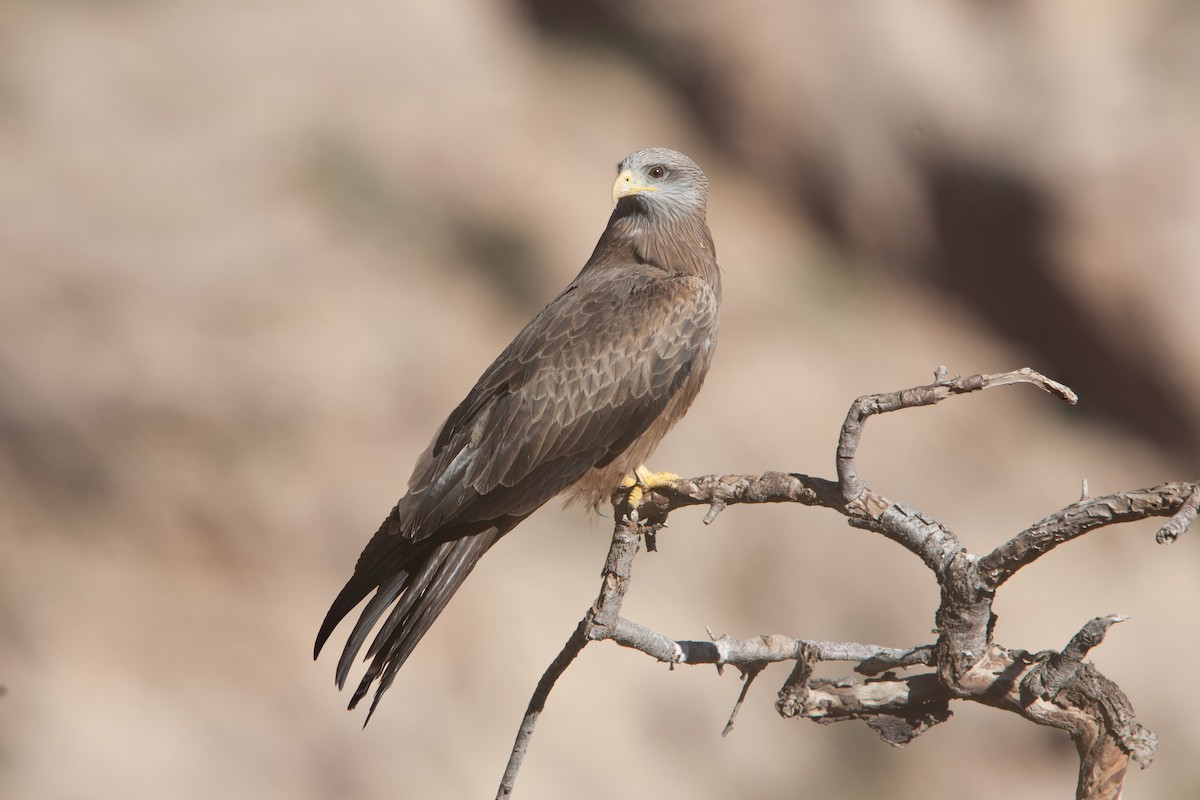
[657,172]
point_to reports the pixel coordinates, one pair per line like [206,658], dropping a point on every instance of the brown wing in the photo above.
[576,387]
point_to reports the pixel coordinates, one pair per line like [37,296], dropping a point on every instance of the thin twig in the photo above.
[852,486]
[598,619]
[574,646]
[747,679]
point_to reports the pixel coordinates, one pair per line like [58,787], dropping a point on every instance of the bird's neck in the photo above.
[678,245]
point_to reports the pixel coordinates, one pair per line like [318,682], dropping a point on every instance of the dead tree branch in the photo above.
[1054,688]
[1175,500]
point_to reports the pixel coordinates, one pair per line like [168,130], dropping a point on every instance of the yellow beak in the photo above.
[625,186]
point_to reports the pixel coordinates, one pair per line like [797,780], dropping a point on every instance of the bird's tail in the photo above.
[419,577]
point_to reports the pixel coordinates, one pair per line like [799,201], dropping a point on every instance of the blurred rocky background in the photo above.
[252,252]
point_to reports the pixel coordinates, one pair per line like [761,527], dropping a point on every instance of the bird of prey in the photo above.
[574,404]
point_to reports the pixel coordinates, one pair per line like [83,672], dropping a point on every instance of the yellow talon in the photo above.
[643,480]
[655,480]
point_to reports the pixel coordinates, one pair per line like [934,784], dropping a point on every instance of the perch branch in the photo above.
[1058,689]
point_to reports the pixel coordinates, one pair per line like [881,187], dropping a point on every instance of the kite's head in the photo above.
[662,179]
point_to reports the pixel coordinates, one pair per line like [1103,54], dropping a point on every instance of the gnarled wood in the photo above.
[1054,688]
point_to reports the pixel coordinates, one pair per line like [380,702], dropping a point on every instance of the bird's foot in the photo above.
[642,481]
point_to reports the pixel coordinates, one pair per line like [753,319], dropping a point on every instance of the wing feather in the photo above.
[592,377]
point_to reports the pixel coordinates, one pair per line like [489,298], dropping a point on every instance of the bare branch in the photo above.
[573,647]
[1167,500]
[1058,689]
[1052,675]
[747,679]
[767,649]
[900,708]
[1177,525]
[919,533]
[720,491]
[869,405]
[600,617]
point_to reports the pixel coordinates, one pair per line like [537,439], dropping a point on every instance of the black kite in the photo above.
[576,402]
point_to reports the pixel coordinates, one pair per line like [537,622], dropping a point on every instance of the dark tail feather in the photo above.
[420,577]
[383,558]
[410,620]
